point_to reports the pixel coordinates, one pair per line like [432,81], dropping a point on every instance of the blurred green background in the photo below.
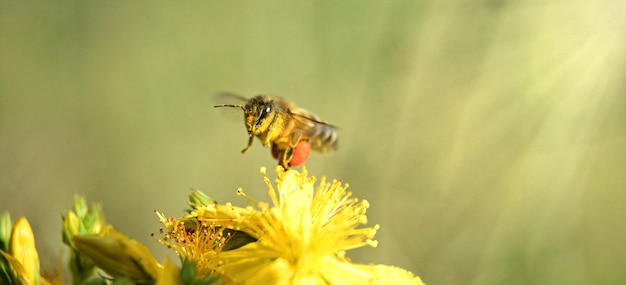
[488,136]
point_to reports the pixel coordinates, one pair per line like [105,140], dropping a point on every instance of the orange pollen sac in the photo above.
[300,153]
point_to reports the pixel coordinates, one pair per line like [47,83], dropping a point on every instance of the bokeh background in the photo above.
[488,136]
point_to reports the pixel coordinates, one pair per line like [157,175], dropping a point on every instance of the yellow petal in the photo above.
[337,271]
[169,275]
[394,275]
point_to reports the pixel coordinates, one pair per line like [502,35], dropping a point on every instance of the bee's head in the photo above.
[259,113]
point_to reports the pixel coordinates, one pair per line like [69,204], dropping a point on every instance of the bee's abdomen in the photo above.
[321,136]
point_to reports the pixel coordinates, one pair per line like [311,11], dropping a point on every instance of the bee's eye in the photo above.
[264,112]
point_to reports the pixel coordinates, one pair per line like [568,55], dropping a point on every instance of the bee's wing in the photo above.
[322,136]
[225,97]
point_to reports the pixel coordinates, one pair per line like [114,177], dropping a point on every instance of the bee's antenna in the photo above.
[230,105]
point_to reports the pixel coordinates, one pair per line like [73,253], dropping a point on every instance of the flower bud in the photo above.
[119,255]
[22,248]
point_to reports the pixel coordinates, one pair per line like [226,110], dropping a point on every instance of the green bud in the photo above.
[71,227]
[5,231]
[81,220]
[198,199]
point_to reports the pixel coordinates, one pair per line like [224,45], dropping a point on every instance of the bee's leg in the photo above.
[250,140]
[285,158]
[287,154]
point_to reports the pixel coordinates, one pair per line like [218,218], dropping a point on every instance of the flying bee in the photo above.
[288,130]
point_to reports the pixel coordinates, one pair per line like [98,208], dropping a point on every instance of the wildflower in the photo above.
[301,238]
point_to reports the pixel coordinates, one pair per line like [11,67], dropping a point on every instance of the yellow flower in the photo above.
[301,238]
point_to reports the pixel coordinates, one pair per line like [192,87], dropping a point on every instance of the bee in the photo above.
[289,131]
